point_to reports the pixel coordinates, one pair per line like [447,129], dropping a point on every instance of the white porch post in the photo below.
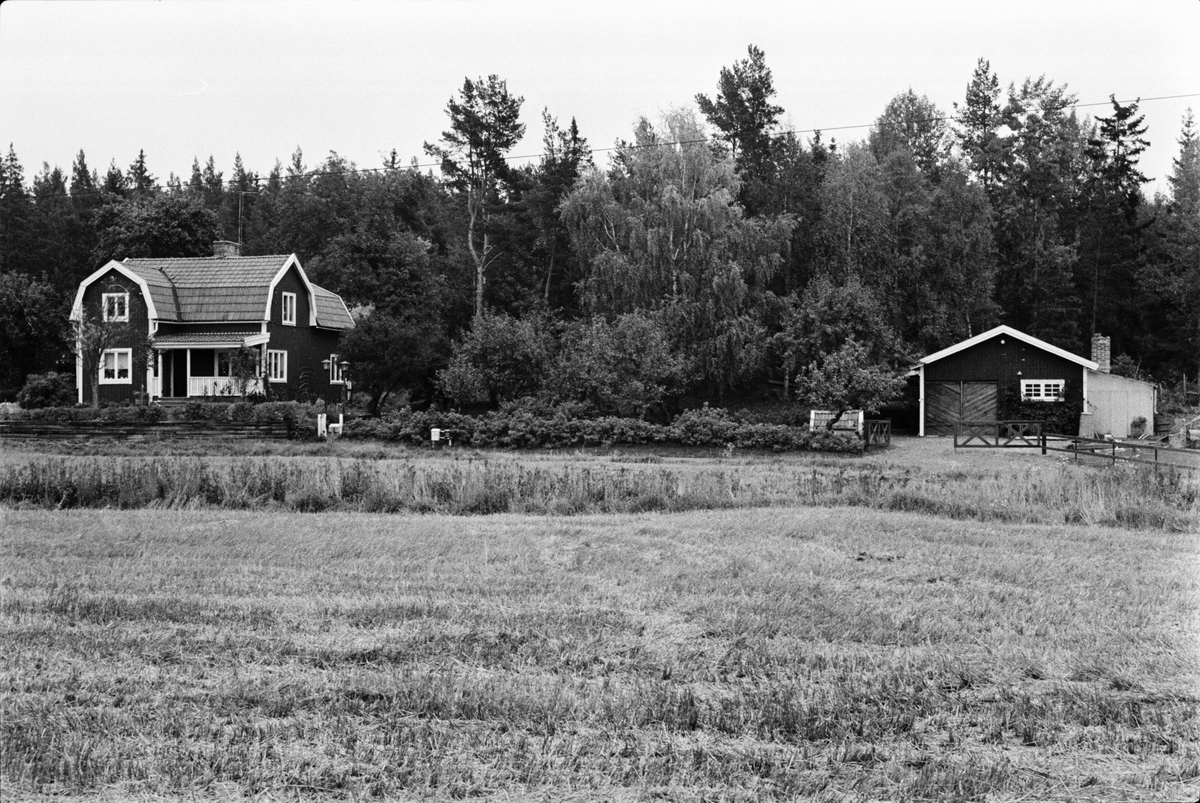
[188,379]
[158,385]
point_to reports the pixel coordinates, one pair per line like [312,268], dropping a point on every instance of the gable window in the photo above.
[115,306]
[115,367]
[337,374]
[277,366]
[1047,390]
[289,309]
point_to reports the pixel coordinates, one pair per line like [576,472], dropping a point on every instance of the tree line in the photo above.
[716,257]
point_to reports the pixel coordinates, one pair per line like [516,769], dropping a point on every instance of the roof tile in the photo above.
[196,289]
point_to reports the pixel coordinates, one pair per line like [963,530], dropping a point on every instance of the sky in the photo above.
[183,79]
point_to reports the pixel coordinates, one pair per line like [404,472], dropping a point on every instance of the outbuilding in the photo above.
[978,378]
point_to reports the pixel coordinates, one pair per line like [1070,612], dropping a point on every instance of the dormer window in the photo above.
[115,307]
[289,309]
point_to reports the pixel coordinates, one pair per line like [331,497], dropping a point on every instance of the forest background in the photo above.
[717,256]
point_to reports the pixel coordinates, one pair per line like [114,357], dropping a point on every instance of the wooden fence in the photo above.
[1101,449]
[878,433]
[118,430]
[998,434]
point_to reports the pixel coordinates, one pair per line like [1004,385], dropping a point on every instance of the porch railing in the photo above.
[219,386]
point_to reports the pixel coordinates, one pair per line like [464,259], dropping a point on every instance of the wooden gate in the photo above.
[948,403]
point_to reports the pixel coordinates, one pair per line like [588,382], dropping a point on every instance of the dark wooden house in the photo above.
[178,322]
[967,381]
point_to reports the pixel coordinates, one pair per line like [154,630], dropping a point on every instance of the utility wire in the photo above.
[624,146]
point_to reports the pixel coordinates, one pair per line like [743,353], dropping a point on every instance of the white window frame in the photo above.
[117,355]
[276,366]
[336,375]
[1043,390]
[119,300]
[289,309]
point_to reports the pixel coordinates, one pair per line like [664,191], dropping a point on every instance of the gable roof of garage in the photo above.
[1009,332]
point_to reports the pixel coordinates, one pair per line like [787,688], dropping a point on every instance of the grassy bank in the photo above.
[732,655]
[1049,492]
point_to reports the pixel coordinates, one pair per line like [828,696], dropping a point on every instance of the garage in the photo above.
[978,378]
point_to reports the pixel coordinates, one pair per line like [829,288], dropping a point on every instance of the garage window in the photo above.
[1047,390]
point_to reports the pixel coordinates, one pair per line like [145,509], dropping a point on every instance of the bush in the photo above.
[704,427]
[47,390]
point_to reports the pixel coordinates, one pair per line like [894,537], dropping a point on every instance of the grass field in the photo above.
[744,653]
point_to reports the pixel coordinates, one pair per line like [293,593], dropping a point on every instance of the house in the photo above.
[180,323]
[967,382]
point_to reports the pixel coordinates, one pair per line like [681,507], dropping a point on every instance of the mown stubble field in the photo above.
[740,654]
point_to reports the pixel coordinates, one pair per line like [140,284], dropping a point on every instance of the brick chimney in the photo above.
[1102,352]
[226,248]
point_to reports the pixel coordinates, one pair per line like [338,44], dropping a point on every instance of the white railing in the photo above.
[219,386]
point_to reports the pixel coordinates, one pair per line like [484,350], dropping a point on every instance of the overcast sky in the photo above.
[190,78]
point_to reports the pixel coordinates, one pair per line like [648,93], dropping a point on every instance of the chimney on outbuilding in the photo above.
[227,248]
[1102,353]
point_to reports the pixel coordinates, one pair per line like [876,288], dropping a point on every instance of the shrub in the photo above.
[47,390]
[622,368]
[704,427]
[501,357]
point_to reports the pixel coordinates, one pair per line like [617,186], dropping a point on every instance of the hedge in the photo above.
[523,430]
[301,416]
[512,428]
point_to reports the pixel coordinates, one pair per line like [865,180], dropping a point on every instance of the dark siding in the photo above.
[115,282]
[306,345]
[1000,362]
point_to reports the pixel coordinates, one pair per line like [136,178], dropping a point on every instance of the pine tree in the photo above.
[1110,233]
[213,189]
[484,126]
[115,183]
[195,185]
[140,180]
[84,184]
[979,119]
[744,115]
[16,217]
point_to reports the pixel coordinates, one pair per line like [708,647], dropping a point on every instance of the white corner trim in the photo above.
[1010,332]
[78,367]
[112,264]
[921,404]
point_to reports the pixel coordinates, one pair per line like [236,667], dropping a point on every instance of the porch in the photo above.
[207,366]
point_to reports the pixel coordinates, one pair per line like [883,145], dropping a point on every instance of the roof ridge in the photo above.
[272,257]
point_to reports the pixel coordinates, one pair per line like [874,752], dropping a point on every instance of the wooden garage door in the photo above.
[947,403]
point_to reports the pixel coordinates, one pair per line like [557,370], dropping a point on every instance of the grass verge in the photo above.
[1128,496]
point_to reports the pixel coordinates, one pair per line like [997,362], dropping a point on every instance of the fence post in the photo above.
[1042,440]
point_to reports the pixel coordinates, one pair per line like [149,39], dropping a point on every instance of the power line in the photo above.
[591,151]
